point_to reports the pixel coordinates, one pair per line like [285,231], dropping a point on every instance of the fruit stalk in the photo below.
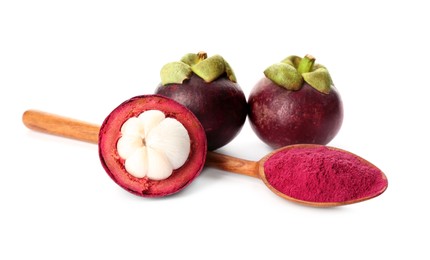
[202,55]
[306,64]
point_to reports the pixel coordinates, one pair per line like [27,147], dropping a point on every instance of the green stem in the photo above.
[306,64]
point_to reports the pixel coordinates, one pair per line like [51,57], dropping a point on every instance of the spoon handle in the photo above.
[61,126]
[71,128]
[232,164]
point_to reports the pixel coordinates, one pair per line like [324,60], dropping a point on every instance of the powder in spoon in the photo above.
[323,175]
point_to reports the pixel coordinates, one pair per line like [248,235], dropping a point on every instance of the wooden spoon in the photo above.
[256,169]
[79,130]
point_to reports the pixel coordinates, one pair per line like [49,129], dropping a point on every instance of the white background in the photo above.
[83,58]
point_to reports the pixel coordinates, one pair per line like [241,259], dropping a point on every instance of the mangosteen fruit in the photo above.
[295,103]
[208,87]
[152,146]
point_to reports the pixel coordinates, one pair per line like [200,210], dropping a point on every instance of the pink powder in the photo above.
[322,175]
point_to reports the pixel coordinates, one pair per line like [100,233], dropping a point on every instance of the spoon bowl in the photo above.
[380,186]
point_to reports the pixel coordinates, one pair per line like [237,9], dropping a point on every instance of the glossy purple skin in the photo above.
[281,117]
[220,106]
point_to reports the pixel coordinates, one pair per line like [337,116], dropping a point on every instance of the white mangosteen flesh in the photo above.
[153,145]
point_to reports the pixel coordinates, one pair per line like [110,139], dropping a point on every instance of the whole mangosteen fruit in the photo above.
[296,102]
[208,87]
[152,146]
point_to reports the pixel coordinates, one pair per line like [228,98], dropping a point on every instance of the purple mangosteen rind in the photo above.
[113,164]
[220,106]
[295,103]
[293,117]
[208,87]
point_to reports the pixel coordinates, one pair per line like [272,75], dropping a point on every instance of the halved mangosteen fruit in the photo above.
[152,146]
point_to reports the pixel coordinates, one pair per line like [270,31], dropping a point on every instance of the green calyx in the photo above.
[209,69]
[293,71]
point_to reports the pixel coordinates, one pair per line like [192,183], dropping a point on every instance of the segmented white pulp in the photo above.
[153,145]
